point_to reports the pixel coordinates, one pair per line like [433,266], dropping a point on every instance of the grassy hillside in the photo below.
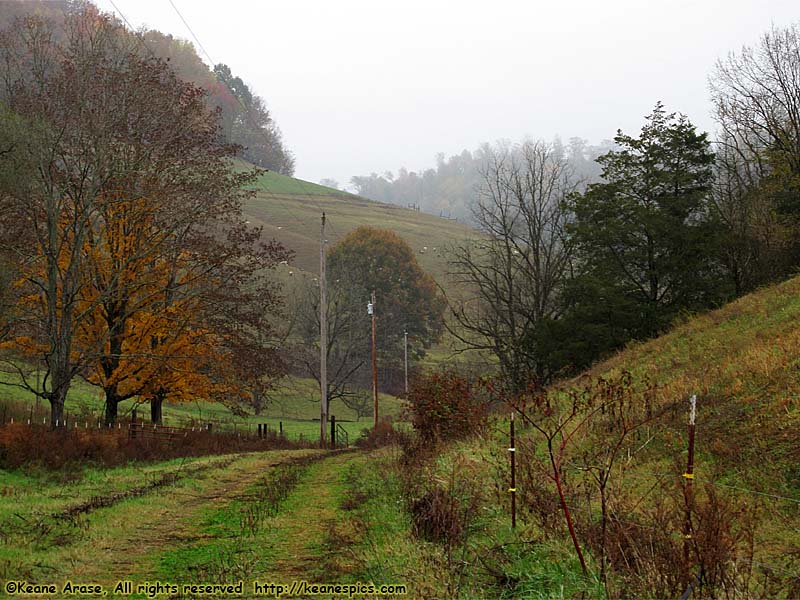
[289,210]
[743,363]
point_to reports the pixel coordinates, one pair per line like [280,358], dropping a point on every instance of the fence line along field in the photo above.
[293,409]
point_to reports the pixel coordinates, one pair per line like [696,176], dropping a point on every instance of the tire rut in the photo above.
[173,526]
[170,478]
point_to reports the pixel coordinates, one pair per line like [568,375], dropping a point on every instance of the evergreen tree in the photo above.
[642,237]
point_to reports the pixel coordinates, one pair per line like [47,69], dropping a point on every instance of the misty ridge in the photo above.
[450,189]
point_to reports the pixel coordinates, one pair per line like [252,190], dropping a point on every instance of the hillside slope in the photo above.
[743,362]
[289,209]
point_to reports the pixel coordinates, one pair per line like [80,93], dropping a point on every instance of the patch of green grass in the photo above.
[544,571]
[275,529]
[387,549]
[35,546]
[26,494]
[275,183]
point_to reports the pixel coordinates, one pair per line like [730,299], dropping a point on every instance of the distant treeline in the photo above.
[451,188]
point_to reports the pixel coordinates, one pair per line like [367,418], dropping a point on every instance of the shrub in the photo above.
[437,516]
[37,444]
[646,552]
[445,406]
[383,434]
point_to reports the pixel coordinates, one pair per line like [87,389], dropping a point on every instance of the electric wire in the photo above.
[247,115]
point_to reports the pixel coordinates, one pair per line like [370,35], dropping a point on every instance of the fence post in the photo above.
[280,427]
[688,492]
[512,450]
[259,431]
[333,432]
[133,423]
[208,427]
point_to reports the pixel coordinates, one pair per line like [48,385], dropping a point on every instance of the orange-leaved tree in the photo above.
[131,218]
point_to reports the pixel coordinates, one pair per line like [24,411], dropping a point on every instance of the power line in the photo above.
[192,32]
[303,184]
[128,23]
[310,195]
[152,53]
[247,115]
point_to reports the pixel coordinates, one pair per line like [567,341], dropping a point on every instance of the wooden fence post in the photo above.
[688,492]
[512,450]
[333,432]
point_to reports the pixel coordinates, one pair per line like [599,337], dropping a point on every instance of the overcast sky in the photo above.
[366,85]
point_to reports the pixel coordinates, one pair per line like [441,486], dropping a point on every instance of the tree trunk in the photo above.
[112,402]
[258,402]
[57,409]
[156,404]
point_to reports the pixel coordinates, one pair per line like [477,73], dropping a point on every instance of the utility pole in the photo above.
[405,359]
[323,338]
[371,311]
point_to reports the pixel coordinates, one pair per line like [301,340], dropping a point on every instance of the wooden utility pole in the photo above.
[323,338]
[374,360]
[405,359]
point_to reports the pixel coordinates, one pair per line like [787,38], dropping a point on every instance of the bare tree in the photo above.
[60,204]
[347,349]
[360,402]
[756,241]
[756,94]
[510,279]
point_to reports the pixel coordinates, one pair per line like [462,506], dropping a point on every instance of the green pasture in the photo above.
[289,210]
[294,403]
